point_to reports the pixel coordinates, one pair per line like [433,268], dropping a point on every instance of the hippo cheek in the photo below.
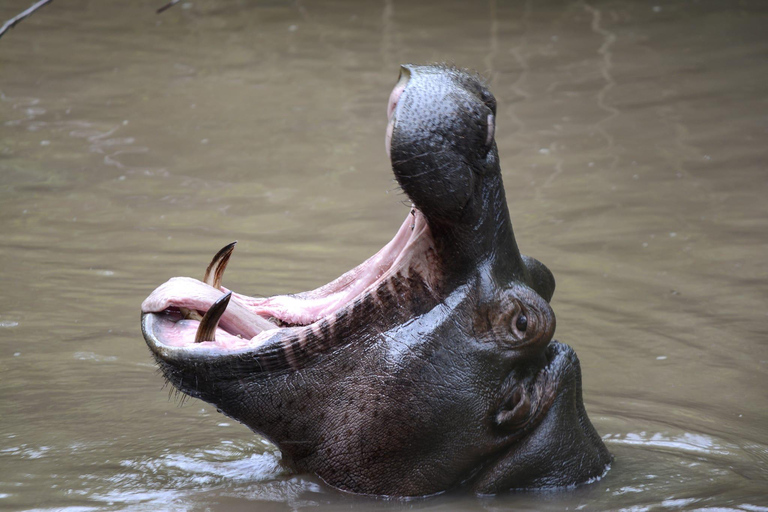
[419,432]
[421,416]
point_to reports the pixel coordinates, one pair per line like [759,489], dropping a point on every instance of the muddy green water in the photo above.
[633,138]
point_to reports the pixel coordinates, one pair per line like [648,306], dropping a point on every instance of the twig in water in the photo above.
[8,25]
[167,6]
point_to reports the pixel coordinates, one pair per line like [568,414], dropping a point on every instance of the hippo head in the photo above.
[431,365]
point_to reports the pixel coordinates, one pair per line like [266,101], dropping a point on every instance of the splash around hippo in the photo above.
[430,366]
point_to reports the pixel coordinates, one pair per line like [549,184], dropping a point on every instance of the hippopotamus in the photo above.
[427,368]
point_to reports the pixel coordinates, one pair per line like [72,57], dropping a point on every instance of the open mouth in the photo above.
[185,314]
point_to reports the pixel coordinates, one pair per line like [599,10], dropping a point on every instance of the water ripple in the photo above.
[688,442]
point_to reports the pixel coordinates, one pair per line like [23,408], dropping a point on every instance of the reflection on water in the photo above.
[132,146]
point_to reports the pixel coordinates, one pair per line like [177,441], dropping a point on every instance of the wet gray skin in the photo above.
[442,372]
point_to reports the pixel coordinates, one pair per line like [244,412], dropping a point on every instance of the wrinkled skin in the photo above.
[429,367]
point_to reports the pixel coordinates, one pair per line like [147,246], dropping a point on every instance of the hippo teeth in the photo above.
[206,331]
[212,277]
[215,270]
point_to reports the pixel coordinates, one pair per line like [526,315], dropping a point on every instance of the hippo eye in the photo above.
[521,323]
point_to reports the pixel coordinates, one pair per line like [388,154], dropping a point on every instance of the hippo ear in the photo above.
[542,280]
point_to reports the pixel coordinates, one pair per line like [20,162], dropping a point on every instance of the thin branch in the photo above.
[167,6]
[13,21]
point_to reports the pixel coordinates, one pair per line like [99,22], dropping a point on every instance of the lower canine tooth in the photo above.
[215,270]
[206,331]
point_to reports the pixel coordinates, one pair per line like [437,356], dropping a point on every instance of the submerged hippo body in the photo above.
[428,367]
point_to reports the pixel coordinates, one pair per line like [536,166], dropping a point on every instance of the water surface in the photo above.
[133,146]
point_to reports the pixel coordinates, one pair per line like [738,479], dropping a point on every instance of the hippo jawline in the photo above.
[304,324]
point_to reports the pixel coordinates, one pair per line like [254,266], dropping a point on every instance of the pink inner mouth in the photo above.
[249,321]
